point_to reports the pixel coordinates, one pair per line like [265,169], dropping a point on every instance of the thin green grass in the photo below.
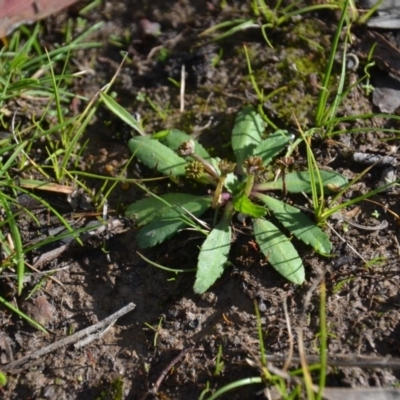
[323,113]
[287,383]
[266,19]
[323,339]
[30,72]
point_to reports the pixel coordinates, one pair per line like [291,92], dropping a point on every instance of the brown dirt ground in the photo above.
[362,303]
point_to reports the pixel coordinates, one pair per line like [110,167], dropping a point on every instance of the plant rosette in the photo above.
[238,187]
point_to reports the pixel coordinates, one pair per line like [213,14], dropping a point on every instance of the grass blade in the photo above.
[324,93]
[16,243]
[22,315]
[121,113]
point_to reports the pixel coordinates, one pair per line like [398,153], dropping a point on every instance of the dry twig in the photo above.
[22,362]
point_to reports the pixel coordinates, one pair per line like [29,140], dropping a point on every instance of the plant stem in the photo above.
[323,341]
[249,185]
[217,193]
[208,167]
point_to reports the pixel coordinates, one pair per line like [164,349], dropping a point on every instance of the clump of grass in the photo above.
[42,80]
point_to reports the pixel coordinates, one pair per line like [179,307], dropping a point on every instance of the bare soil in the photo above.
[177,356]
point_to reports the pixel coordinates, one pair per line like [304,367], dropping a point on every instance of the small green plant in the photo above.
[3,379]
[238,188]
[156,330]
[376,214]
[219,363]
[112,390]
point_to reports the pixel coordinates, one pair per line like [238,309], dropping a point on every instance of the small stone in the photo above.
[386,95]
[148,28]
[388,176]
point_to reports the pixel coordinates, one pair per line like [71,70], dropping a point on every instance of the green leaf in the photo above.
[246,134]
[297,182]
[155,155]
[160,134]
[244,205]
[214,161]
[121,113]
[279,251]
[176,137]
[145,210]
[232,183]
[3,379]
[158,231]
[214,254]
[298,223]
[170,221]
[270,147]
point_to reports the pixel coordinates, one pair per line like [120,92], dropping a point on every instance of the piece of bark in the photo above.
[371,393]
[17,12]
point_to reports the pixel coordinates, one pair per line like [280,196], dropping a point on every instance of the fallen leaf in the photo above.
[14,13]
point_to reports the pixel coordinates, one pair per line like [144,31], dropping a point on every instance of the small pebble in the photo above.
[262,307]
[148,28]
[388,176]
[386,94]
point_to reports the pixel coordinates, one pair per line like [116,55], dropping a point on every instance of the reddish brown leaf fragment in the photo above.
[17,12]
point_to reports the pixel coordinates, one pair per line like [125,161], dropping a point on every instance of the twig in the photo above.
[51,255]
[344,360]
[38,273]
[384,224]
[369,159]
[95,336]
[347,243]
[69,339]
[169,367]
[165,371]
[182,91]
[291,342]
[304,362]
